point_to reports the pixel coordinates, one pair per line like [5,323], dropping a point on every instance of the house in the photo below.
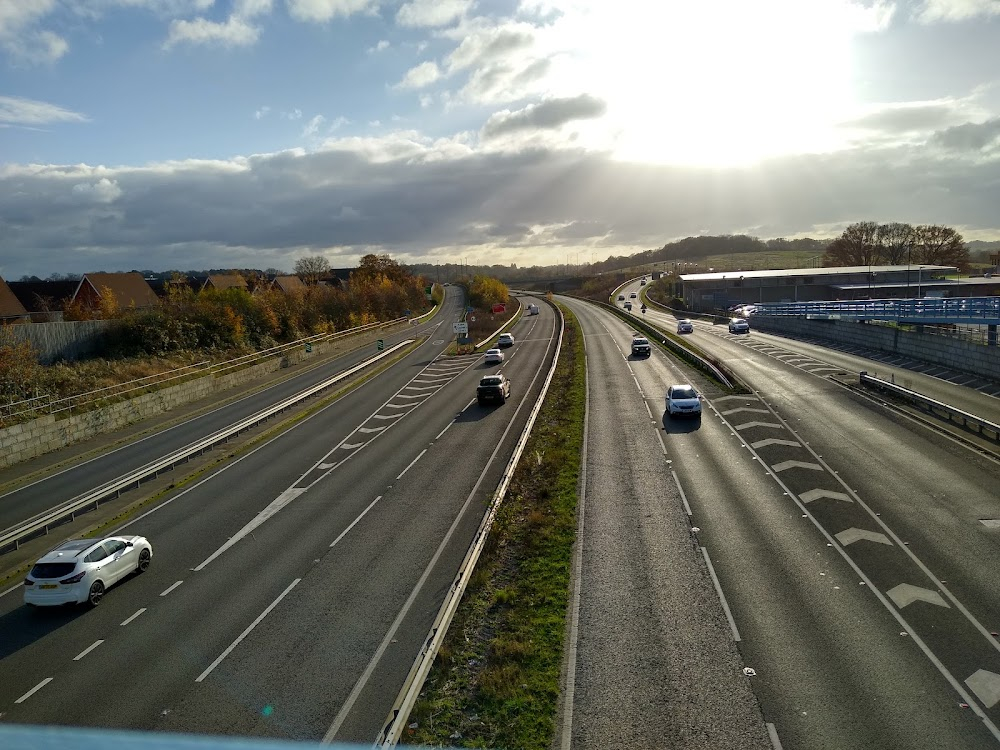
[11,309]
[288,284]
[129,290]
[221,281]
[44,300]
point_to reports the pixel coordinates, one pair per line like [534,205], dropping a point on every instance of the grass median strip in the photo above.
[495,682]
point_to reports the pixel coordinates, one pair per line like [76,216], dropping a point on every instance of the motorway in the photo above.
[292,588]
[848,542]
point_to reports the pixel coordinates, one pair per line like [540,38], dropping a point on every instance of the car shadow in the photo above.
[679,425]
[24,625]
[476,412]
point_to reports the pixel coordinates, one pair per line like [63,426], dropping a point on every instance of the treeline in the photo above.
[484,291]
[868,243]
[214,320]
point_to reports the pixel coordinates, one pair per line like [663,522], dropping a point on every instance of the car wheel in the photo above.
[96,593]
[143,561]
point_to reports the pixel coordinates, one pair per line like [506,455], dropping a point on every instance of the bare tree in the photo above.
[896,242]
[856,246]
[941,246]
[310,268]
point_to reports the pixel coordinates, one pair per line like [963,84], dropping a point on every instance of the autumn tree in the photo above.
[310,268]
[941,246]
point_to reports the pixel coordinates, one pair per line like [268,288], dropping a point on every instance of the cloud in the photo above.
[233,32]
[970,136]
[320,11]
[908,117]
[420,76]
[383,44]
[15,110]
[548,115]
[261,113]
[956,10]
[428,13]
[417,197]
[312,127]
[295,114]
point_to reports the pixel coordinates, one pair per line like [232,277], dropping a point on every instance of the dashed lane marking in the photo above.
[87,650]
[34,690]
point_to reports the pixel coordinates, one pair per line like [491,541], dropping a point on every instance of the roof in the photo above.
[10,305]
[43,296]
[288,283]
[225,281]
[129,289]
[822,271]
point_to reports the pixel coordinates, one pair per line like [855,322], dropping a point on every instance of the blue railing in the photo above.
[967,310]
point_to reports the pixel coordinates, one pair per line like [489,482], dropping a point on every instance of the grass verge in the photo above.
[495,682]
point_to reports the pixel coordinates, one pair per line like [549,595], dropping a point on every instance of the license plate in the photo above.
[49,586]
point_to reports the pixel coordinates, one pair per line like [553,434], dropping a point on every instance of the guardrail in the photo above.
[983,426]
[40,524]
[968,310]
[396,721]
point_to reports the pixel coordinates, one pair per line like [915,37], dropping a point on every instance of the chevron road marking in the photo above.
[849,536]
[740,398]
[748,425]
[350,446]
[775,441]
[744,408]
[796,465]
[986,686]
[371,429]
[808,497]
[907,593]
[386,416]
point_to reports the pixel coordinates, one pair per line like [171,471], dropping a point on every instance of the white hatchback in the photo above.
[506,339]
[683,400]
[494,356]
[83,569]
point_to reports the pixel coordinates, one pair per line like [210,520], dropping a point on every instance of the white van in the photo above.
[532,309]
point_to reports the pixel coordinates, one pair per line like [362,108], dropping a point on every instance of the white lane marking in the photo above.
[747,397]
[722,596]
[748,425]
[422,388]
[419,456]
[346,447]
[413,395]
[808,497]
[444,430]
[648,410]
[772,732]
[663,445]
[684,500]
[907,593]
[739,409]
[774,441]
[246,632]
[796,465]
[87,650]
[355,521]
[850,536]
[387,416]
[273,507]
[12,588]
[34,690]
[171,587]
[398,406]
[133,616]
[986,686]
[367,430]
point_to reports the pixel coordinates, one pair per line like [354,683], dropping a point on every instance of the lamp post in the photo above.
[919,273]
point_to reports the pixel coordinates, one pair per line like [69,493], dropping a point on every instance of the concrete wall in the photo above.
[27,440]
[955,354]
[61,340]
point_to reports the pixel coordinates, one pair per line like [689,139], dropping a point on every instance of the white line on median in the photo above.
[171,587]
[419,455]
[87,650]
[722,596]
[34,690]
[355,521]
[772,732]
[143,609]
[246,632]
[687,508]
[444,430]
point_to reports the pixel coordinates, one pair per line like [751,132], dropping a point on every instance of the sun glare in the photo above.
[719,82]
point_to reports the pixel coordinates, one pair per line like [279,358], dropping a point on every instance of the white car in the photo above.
[739,325]
[683,399]
[685,326]
[506,339]
[83,569]
[633,295]
[494,356]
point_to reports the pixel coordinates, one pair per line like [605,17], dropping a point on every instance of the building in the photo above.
[44,300]
[288,284]
[225,281]
[708,291]
[11,309]
[129,291]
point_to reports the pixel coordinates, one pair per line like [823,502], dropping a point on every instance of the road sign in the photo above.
[472,318]
[462,328]
[380,344]
[309,348]
[499,308]
[406,313]
[470,308]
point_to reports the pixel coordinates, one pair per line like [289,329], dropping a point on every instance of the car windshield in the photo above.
[490,381]
[679,393]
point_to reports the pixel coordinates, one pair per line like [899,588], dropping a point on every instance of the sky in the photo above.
[194,134]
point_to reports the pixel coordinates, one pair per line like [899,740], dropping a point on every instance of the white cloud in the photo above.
[102,191]
[252,8]
[234,32]
[426,100]
[338,123]
[261,113]
[956,10]
[16,110]
[420,76]
[548,115]
[325,10]
[295,114]
[428,13]
[312,127]
[382,45]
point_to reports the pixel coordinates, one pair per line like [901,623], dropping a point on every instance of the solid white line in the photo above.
[355,521]
[687,508]
[246,632]
[419,456]
[772,732]
[663,445]
[132,617]
[87,650]
[722,596]
[648,410]
[172,587]
[12,588]
[34,690]
[444,430]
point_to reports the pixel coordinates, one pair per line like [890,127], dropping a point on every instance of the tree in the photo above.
[377,267]
[856,246]
[941,246]
[896,242]
[310,268]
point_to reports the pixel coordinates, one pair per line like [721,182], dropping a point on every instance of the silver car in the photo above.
[83,569]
